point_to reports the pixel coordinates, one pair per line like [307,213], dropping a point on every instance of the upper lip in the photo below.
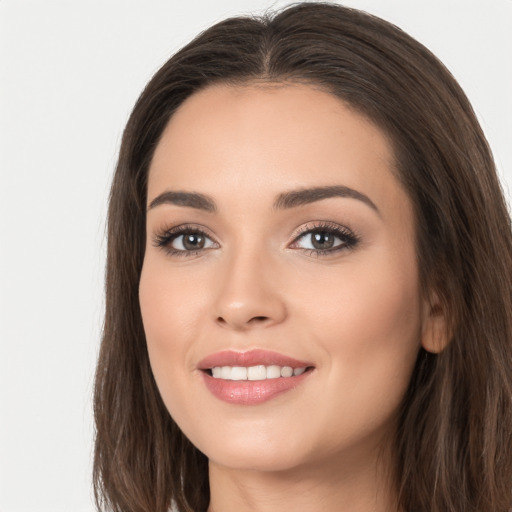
[253,357]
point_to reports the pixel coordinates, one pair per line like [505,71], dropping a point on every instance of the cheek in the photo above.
[171,303]
[371,299]
[171,308]
[366,315]
[368,323]
[378,310]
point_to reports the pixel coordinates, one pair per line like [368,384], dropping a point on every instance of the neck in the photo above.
[332,486]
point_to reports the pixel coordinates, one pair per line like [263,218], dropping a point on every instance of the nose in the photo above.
[250,295]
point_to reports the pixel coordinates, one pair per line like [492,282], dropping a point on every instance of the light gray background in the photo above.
[70,72]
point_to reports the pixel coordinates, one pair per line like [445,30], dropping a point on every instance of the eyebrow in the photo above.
[284,201]
[189,199]
[304,196]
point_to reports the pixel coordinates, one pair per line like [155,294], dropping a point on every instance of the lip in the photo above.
[249,358]
[245,392]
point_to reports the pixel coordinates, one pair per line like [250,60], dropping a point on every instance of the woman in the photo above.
[308,281]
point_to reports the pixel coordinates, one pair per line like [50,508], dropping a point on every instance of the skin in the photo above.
[357,314]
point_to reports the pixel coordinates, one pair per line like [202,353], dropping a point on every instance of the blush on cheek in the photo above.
[372,323]
[170,320]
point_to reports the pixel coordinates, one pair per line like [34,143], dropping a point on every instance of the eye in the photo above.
[184,241]
[324,239]
[191,241]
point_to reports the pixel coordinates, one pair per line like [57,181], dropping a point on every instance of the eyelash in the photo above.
[348,238]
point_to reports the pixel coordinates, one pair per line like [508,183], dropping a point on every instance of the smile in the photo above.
[253,377]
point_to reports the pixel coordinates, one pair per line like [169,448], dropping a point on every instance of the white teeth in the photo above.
[259,372]
[238,373]
[286,371]
[273,372]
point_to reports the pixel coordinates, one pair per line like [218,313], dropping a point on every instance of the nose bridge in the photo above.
[248,293]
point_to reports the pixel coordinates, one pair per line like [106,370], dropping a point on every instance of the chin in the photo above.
[255,459]
[253,451]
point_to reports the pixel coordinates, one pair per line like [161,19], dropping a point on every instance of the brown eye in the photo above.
[322,240]
[191,242]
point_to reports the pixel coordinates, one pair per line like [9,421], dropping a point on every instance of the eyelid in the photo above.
[320,225]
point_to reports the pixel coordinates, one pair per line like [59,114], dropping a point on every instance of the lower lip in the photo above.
[251,392]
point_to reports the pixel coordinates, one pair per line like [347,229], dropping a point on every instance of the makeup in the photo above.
[252,377]
[283,331]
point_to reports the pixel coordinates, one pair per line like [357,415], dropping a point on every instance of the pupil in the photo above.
[193,242]
[323,240]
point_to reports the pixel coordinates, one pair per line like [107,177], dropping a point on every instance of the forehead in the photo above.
[258,140]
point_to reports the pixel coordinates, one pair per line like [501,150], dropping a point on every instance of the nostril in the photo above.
[258,319]
[241,322]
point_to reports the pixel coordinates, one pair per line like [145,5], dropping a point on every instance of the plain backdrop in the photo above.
[70,72]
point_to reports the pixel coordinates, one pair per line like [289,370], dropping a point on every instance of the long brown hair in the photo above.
[454,441]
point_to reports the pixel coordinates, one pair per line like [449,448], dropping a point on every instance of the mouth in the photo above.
[253,377]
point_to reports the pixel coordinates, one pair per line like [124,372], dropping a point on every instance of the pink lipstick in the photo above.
[253,377]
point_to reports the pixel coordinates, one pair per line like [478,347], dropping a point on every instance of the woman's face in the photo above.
[279,241]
